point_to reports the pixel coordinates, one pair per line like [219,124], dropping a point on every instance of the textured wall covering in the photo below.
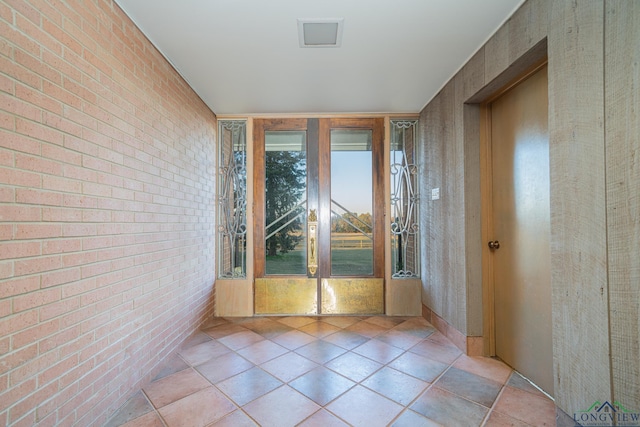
[592,49]
[106,211]
[622,136]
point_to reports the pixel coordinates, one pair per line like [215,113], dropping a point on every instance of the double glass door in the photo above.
[319,216]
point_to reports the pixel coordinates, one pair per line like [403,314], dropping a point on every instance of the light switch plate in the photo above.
[435,193]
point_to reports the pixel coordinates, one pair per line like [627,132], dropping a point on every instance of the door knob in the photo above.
[494,244]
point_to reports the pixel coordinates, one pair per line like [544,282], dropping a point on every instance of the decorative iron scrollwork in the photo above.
[232,199]
[404,200]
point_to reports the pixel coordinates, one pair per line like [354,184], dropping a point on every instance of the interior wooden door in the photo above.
[521,229]
[318,209]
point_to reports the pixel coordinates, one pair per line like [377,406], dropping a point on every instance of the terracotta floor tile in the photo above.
[321,385]
[496,419]
[135,407]
[197,338]
[323,418]
[366,329]
[319,329]
[269,328]
[448,409]
[234,419]
[281,407]
[320,351]
[296,321]
[151,419]
[248,386]
[470,386]
[486,367]
[200,353]
[354,366]
[346,339]
[289,366]
[362,407]
[418,366]
[262,351]
[435,351]
[518,381]
[416,327]
[399,339]
[224,330]
[412,419]
[197,410]
[342,321]
[360,370]
[527,407]
[294,339]
[395,385]
[385,322]
[175,387]
[240,340]
[171,366]
[224,367]
[378,351]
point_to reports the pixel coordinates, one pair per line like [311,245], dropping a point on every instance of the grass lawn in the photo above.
[345,262]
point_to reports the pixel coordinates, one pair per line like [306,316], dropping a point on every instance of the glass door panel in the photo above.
[318,213]
[351,202]
[285,189]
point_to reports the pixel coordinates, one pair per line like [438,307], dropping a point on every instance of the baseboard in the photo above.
[471,346]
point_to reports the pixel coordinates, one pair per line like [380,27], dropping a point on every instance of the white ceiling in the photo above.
[243,56]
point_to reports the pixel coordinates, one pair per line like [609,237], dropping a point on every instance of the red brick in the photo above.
[16,393]
[61,154]
[61,277]
[38,99]
[19,286]
[38,197]
[28,405]
[10,250]
[18,142]
[37,265]
[35,299]
[36,65]
[65,126]
[37,333]
[37,231]
[78,230]
[20,213]
[20,178]
[61,184]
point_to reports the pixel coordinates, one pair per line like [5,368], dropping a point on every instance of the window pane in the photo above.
[405,241]
[351,203]
[286,202]
[232,199]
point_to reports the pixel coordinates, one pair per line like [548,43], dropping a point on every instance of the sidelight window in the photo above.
[405,239]
[232,199]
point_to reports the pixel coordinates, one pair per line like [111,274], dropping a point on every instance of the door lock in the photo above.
[494,244]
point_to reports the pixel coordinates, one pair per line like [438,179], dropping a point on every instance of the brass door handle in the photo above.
[494,244]
[312,239]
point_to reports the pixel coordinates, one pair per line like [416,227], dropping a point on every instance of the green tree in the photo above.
[285,185]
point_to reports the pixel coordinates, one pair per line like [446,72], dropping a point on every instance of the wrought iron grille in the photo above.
[405,239]
[232,199]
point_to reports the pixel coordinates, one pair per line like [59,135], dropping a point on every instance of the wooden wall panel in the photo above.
[622,105]
[472,76]
[528,26]
[578,223]
[584,209]
[444,249]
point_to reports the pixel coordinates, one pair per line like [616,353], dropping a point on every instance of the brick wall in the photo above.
[106,211]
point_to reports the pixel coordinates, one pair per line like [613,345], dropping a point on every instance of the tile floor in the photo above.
[332,371]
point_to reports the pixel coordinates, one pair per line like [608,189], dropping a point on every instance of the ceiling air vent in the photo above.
[320,32]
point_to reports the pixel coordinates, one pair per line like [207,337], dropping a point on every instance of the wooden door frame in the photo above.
[318,147]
